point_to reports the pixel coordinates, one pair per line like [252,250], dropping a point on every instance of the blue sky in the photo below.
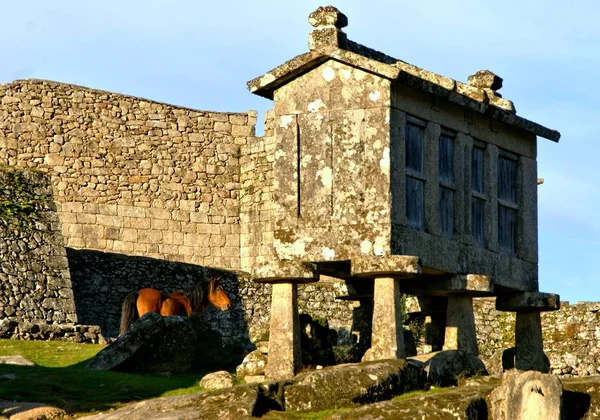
[201,53]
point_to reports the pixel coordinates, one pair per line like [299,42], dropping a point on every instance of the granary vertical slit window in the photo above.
[507,202]
[446,180]
[415,173]
[478,196]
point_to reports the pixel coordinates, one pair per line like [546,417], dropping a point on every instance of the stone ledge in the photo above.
[285,272]
[397,266]
[528,301]
[468,284]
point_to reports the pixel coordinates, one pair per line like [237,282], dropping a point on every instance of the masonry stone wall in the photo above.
[35,283]
[131,176]
[256,197]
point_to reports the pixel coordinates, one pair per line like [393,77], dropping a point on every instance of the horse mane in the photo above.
[198,296]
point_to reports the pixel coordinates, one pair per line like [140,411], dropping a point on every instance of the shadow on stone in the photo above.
[165,344]
[575,405]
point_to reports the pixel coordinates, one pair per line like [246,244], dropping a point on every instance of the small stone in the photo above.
[253,364]
[327,16]
[217,380]
[250,379]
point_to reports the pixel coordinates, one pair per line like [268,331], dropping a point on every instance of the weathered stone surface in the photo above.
[485,79]
[444,368]
[528,301]
[387,338]
[217,380]
[527,396]
[351,385]
[285,356]
[328,16]
[35,283]
[30,411]
[253,364]
[460,325]
[251,379]
[529,348]
[152,344]
[73,333]
[15,360]
[393,266]
[451,404]
[235,403]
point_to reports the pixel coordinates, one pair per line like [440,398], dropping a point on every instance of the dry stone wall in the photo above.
[256,197]
[131,176]
[571,335]
[35,283]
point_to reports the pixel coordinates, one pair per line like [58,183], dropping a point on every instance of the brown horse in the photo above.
[197,299]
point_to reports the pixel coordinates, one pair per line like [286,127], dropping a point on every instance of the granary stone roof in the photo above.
[328,42]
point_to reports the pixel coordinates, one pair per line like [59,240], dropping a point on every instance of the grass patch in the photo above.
[412,394]
[60,379]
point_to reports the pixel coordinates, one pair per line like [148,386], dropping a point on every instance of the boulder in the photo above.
[234,403]
[527,395]
[253,364]
[444,368]
[217,380]
[351,385]
[152,344]
[451,404]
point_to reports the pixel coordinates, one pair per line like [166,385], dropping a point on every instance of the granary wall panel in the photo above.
[332,164]
[455,249]
[332,86]
[130,175]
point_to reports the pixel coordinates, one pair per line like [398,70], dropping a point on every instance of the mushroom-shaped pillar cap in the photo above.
[328,16]
[485,79]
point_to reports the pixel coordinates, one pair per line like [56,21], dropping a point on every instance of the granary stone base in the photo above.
[387,340]
[284,332]
[460,325]
[529,344]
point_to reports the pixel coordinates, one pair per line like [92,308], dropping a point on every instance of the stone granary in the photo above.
[388,174]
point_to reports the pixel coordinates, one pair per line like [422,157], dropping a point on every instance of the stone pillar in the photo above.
[285,354]
[460,325]
[528,342]
[387,339]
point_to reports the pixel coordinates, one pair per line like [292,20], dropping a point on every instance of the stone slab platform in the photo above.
[528,301]
[285,272]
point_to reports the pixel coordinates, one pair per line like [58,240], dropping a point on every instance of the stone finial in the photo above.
[328,22]
[328,16]
[485,79]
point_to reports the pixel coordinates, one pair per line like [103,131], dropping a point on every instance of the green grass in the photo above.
[60,378]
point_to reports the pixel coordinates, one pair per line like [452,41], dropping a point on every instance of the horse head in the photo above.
[217,295]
